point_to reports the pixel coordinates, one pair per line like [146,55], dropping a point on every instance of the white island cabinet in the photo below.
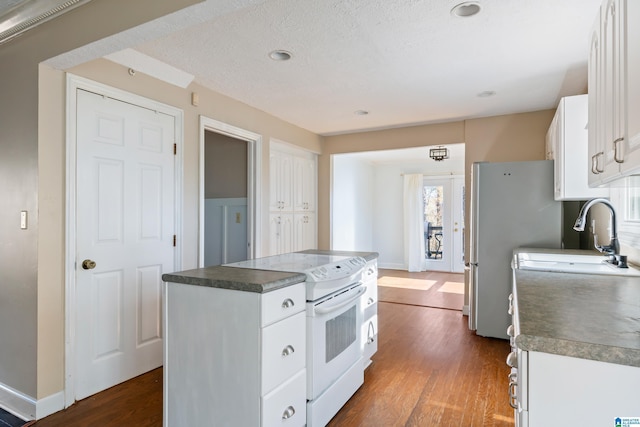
[234,358]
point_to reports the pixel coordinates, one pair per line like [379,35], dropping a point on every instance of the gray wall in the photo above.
[19,61]
[225,166]
[18,191]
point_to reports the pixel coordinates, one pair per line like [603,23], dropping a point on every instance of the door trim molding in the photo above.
[450,181]
[75,83]
[254,181]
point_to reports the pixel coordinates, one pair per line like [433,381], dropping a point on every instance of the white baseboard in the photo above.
[465,310]
[50,405]
[28,408]
[19,404]
[392,266]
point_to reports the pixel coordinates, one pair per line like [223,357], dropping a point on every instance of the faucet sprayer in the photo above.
[613,248]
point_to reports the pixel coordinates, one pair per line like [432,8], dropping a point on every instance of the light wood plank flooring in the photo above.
[430,370]
[409,288]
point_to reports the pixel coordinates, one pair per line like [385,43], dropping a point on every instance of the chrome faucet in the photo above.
[612,250]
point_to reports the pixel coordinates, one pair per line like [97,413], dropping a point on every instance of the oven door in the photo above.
[333,337]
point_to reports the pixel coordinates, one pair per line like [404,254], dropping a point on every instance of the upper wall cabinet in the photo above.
[614,92]
[567,141]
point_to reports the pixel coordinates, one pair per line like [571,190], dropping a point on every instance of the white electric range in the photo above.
[334,290]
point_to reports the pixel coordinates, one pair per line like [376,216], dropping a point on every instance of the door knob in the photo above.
[87,264]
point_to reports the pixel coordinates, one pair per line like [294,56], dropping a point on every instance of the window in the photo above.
[632,198]
[626,200]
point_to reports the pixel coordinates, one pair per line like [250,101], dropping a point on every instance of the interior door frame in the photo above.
[254,177]
[453,185]
[75,83]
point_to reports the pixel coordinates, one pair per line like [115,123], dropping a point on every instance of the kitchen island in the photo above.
[576,340]
[239,339]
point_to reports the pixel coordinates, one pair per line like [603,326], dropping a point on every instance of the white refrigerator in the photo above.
[512,206]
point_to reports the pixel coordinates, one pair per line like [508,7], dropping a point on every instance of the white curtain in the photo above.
[414,249]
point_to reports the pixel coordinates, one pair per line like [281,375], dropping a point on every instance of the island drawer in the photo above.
[283,351]
[286,405]
[282,303]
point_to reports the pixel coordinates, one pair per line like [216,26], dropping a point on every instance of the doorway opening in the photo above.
[229,183]
[225,199]
[443,201]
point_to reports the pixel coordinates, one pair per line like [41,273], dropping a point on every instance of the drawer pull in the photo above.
[512,360]
[288,303]
[510,331]
[288,350]
[370,301]
[288,413]
[616,157]
[513,390]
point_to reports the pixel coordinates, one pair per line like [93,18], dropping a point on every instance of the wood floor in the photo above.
[430,370]
[414,295]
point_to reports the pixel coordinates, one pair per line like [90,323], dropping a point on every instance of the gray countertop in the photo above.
[588,316]
[249,280]
[239,279]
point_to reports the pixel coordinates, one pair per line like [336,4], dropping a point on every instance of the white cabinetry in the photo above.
[234,358]
[370,312]
[292,206]
[566,391]
[280,233]
[614,90]
[567,146]
[304,231]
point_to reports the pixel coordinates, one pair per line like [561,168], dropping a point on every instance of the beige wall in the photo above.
[52,166]
[414,136]
[514,137]
[29,282]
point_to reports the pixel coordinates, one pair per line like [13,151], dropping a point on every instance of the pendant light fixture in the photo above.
[438,154]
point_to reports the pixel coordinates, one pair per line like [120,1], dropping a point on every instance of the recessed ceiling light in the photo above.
[466,9]
[361,112]
[486,94]
[280,55]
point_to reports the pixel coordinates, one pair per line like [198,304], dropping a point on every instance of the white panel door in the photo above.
[125,224]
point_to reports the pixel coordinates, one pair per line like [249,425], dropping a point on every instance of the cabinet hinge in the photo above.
[175,149]
[174,240]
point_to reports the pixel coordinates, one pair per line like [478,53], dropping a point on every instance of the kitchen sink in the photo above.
[569,263]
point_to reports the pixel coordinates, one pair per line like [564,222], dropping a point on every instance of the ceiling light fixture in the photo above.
[280,55]
[466,9]
[439,154]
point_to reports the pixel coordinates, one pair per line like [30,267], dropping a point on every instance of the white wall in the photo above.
[367,198]
[352,204]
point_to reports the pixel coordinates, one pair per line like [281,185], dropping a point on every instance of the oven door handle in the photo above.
[337,306]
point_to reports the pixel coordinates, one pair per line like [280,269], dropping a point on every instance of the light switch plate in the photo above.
[23,220]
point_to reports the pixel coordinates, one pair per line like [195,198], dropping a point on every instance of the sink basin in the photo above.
[570,263]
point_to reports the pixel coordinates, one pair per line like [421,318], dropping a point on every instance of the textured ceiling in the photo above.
[406,62]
